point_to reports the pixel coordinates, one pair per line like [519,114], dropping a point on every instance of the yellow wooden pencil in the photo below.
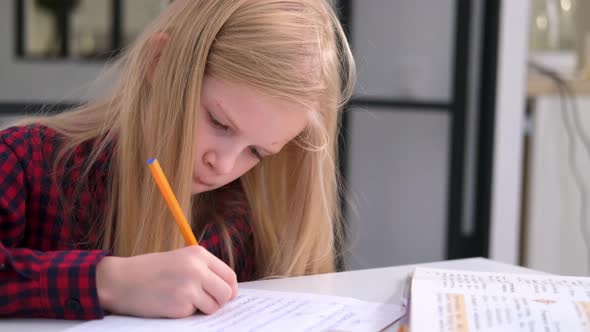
[172,202]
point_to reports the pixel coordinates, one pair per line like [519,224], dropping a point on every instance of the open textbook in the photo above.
[257,310]
[465,301]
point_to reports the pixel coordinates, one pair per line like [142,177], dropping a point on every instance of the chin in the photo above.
[199,188]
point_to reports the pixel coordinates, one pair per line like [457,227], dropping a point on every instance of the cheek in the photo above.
[244,165]
[200,140]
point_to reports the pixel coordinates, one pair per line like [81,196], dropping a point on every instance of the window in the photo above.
[80,29]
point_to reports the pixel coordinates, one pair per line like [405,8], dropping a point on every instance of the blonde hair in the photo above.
[292,49]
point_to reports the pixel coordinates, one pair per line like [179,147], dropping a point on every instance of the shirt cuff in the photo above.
[67,284]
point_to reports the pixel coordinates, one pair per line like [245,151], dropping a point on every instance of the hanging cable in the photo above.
[573,125]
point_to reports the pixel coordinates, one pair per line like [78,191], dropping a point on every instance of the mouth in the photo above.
[200,181]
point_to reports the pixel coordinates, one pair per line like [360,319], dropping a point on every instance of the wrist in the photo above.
[107,280]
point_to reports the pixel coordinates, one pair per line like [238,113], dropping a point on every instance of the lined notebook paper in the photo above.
[257,310]
[464,301]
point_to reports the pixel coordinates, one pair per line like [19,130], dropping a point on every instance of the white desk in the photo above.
[378,285]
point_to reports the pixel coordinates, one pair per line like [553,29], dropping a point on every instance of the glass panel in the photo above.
[137,14]
[404,48]
[42,35]
[91,32]
[397,174]
[553,25]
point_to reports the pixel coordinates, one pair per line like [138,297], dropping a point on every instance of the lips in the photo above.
[199,180]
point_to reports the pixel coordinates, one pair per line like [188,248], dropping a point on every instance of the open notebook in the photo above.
[464,301]
[257,310]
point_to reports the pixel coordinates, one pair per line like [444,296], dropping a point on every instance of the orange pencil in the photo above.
[172,202]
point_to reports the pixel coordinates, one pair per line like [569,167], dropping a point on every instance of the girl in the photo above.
[239,100]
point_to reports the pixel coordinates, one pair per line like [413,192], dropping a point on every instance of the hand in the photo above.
[171,284]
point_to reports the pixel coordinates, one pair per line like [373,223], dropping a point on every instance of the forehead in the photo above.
[263,119]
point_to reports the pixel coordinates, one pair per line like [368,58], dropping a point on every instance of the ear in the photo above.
[156,45]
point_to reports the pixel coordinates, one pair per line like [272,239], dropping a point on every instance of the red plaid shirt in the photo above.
[48,253]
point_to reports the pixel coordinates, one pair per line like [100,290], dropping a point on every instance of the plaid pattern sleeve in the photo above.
[38,283]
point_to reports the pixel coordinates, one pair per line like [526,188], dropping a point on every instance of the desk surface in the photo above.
[378,285]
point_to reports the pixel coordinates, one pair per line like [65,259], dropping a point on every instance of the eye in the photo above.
[216,124]
[255,153]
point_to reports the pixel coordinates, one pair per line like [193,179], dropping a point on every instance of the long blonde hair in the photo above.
[292,49]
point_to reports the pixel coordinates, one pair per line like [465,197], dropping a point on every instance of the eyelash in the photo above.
[255,153]
[216,123]
[220,126]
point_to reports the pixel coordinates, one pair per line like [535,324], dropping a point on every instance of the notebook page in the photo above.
[257,310]
[462,301]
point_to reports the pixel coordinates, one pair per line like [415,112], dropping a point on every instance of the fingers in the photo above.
[205,303]
[217,288]
[221,269]
[222,285]
[234,290]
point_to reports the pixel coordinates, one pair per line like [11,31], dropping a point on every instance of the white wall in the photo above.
[508,136]
[554,241]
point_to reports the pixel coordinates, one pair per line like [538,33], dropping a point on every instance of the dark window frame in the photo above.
[458,245]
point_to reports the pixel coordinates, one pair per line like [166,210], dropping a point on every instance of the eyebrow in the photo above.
[233,124]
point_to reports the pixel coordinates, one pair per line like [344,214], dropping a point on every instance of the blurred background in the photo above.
[468,134]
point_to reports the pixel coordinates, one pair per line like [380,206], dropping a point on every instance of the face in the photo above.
[238,126]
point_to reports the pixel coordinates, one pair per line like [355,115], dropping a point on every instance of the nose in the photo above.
[219,162]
